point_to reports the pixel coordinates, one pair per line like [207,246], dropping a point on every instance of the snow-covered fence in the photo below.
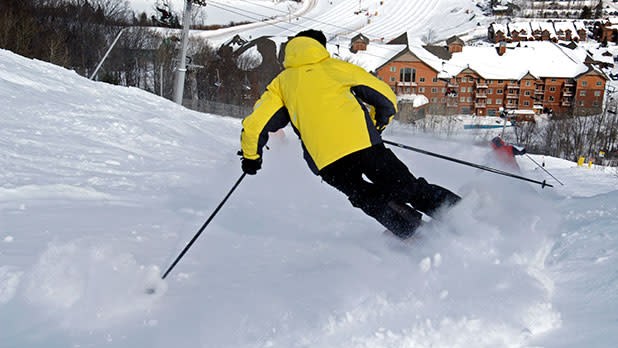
[217,108]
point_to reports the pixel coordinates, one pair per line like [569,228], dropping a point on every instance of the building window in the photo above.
[393,69]
[444,90]
[489,91]
[469,100]
[407,75]
[421,90]
[526,103]
[584,83]
[553,80]
[392,78]
[550,98]
[462,99]
[499,101]
[582,93]
[527,93]
[510,101]
[435,79]
[595,103]
[527,83]
[433,100]
[581,103]
[463,89]
[469,89]
[597,93]
[444,100]
[434,90]
[500,81]
[599,83]
[408,90]
[463,79]
[552,89]
[488,101]
[498,91]
[422,79]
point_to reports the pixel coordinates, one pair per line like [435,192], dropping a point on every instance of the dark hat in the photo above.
[314,34]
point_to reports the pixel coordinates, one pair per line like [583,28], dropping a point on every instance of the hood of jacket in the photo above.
[302,51]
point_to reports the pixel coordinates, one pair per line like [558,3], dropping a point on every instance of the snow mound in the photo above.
[91,286]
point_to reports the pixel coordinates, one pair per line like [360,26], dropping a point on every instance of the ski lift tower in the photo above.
[181,70]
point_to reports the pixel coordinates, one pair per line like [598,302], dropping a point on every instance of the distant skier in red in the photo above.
[505,154]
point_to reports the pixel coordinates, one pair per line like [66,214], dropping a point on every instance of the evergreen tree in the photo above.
[598,10]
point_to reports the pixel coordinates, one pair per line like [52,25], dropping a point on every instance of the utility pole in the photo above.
[181,69]
[107,53]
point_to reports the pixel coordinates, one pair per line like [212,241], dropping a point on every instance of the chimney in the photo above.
[501,48]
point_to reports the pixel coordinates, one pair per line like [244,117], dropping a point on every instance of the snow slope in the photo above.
[379,20]
[102,186]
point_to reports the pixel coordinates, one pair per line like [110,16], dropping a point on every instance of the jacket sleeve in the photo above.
[269,114]
[376,93]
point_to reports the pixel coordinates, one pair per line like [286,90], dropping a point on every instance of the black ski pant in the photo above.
[390,188]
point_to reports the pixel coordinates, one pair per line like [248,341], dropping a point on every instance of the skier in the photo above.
[505,154]
[325,100]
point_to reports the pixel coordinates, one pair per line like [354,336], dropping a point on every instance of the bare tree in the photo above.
[429,36]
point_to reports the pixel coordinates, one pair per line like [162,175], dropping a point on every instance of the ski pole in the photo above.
[493,170]
[540,166]
[203,226]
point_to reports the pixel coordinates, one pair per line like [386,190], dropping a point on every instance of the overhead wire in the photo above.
[305,18]
[235,10]
[222,7]
[242,12]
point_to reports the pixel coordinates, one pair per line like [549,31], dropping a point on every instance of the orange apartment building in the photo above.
[469,92]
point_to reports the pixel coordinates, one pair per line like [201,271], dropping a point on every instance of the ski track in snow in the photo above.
[376,21]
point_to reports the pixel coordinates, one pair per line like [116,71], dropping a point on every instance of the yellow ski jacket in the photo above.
[324,99]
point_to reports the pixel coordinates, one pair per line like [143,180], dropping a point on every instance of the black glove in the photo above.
[251,166]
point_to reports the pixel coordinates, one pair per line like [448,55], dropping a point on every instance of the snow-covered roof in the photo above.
[519,27]
[549,27]
[416,99]
[579,25]
[499,27]
[370,59]
[539,58]
[535,26]
[564,26]
[599,57]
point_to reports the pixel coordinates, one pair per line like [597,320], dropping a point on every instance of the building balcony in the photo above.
[452,85]
[482,85]
[567,94]
[511,106]
[512,85]
[569,84]
[539,91]
[452,104]
[480,105]
[406,84]
[480,95]
[512,96]
[565,103]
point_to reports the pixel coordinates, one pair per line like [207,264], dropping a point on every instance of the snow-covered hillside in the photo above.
[102,186]
[379,20]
